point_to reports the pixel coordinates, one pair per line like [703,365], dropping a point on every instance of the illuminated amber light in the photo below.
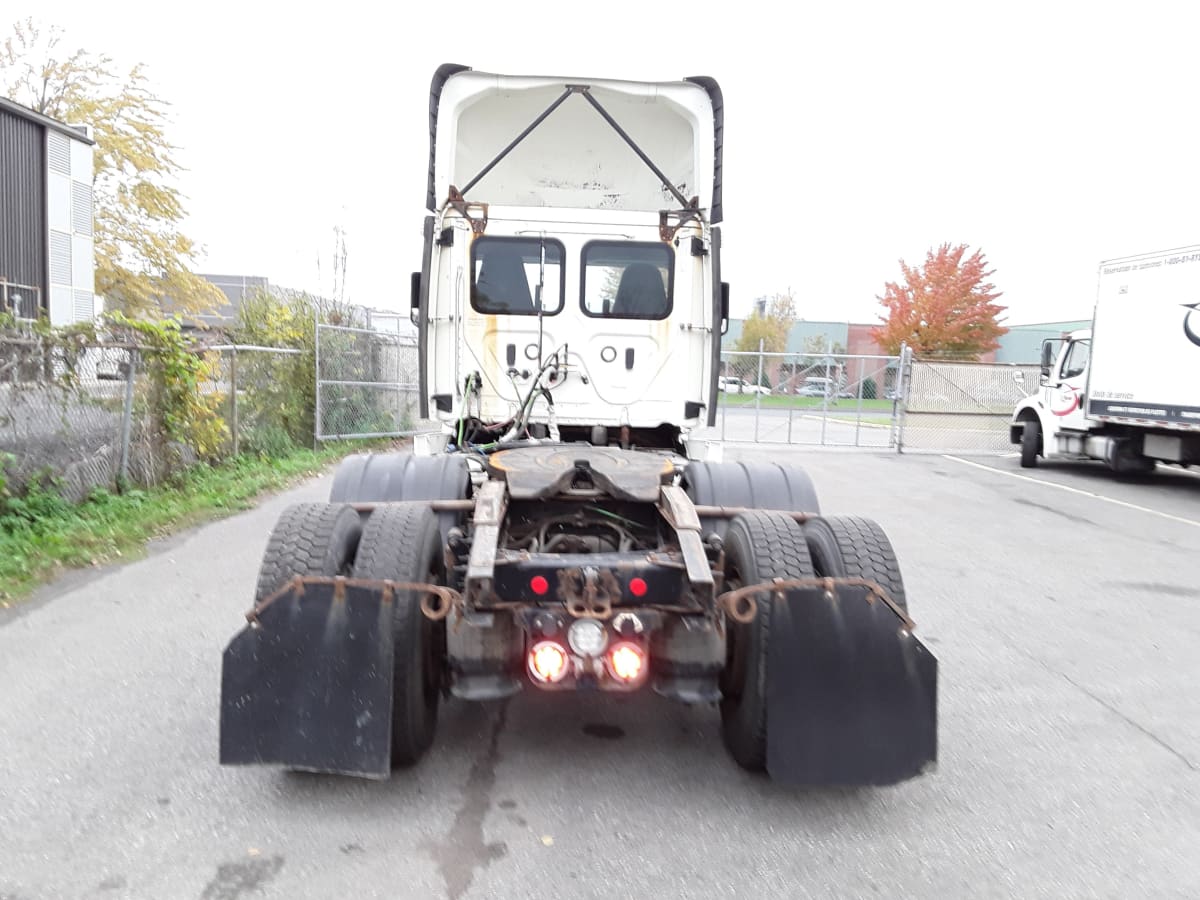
[626,661]
[548,661]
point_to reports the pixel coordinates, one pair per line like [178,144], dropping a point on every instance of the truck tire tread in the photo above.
[308,539]
[761,545]
[1031,439]
[868,553]
[402,542]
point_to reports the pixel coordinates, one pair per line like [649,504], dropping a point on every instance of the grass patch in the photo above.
[41,534]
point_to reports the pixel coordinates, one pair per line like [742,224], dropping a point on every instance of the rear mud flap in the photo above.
[851,693]
[308,684]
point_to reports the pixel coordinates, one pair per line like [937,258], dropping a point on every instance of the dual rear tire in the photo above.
[399,542]
[761,546]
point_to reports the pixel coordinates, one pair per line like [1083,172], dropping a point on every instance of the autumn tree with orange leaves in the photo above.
[945,308]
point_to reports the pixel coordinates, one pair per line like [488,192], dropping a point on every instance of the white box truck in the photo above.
[1127,391]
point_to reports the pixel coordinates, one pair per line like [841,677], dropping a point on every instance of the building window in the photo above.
[58,152]
[81,208]
[60,258]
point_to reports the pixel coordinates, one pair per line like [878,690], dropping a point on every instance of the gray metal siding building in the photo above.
[46,231]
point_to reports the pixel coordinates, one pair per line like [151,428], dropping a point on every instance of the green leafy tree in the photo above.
[770,324]
[141,255]
[279,410]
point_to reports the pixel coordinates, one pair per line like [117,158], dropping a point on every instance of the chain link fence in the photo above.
[962,407]
[262,397]
[367,384]
[84,413]
[828,399]
[893,403]
[69,412]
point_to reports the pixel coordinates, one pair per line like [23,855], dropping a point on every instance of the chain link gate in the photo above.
[896,403]
[824,399]
[954,406]
[367,383]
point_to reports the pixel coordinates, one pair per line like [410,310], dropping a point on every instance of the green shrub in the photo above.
[268,440]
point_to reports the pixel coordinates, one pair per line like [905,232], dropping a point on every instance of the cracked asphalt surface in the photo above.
[1067,629]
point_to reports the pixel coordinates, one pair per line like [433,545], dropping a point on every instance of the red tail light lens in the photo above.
[548,662]
[637,587]
[626,662]
[539,585]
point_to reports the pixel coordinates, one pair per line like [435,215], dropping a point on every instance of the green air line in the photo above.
[613,515]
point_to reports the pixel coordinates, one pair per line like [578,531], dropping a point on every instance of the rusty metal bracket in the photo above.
[491,504]
[733,602]
[667,231]
[676,508]
[463,207]
[588,592]
[728,512]
[447,598]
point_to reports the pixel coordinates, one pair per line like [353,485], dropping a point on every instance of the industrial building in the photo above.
[47,244]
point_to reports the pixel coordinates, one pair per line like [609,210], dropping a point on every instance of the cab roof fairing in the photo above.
[574,158]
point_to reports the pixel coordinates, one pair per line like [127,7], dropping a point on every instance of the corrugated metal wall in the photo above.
[22,202]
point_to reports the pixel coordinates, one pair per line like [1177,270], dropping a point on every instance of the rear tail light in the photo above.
[548,663]
[626,662]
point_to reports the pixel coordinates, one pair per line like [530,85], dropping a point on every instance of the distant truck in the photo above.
[1126,391]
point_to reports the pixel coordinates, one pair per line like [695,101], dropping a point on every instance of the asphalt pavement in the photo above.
[1063,607]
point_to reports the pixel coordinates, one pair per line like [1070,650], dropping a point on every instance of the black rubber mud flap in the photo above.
[309,685]
[851,693]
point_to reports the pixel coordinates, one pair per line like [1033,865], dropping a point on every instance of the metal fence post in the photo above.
[233,415]
[722,399]
[317,378]
[859,411]
[902,394]
[826,389]
[400,382]
[758,389]
[791,405]
[127,418]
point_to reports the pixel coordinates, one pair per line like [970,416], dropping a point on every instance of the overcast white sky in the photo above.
[1050,135]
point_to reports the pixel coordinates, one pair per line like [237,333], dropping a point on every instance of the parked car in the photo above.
[111,364]
[733,385]
[817,387]
[811,390]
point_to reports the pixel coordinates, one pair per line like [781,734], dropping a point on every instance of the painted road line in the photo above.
[1074,490]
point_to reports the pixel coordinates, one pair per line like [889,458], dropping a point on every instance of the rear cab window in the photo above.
[509,274]
[627,280]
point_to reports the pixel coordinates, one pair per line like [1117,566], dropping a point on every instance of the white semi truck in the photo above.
[562,531]
[1126,391]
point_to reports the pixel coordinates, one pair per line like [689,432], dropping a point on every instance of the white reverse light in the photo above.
[587,637]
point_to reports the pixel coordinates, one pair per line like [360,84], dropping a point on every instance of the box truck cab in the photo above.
[1127,391]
